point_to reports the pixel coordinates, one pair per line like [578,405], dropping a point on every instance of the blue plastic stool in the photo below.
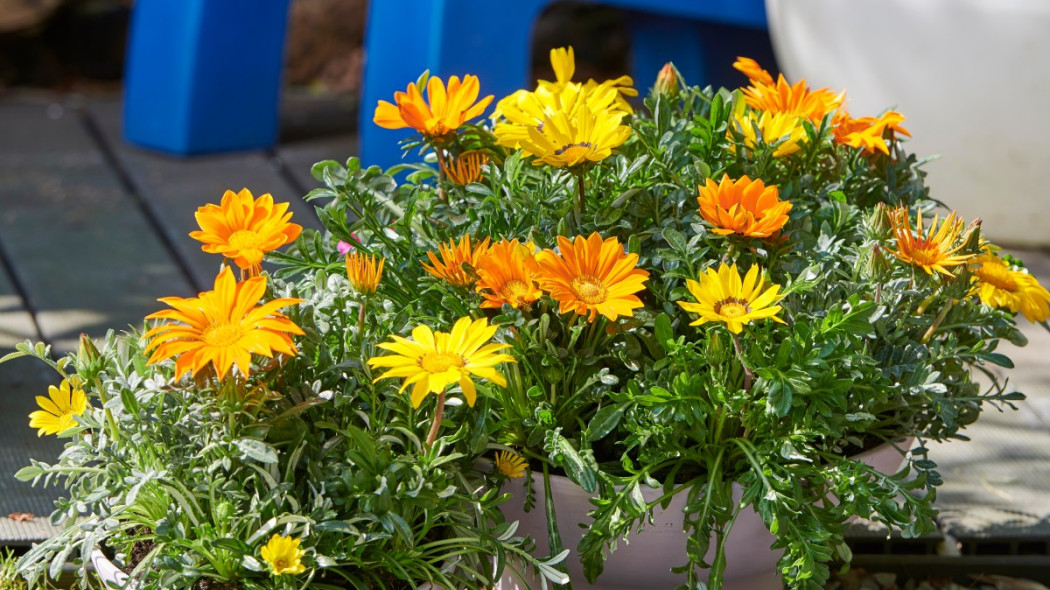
[492,39]
[204,75]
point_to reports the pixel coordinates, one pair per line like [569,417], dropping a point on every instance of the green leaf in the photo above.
[256,450]
[566,456]
[999,359]
[29,473]
[676,240]
[663,330]
[604,421]
[232,544]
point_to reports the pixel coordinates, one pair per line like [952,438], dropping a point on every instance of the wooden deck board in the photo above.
[80,247]
[998,483]
[176,187]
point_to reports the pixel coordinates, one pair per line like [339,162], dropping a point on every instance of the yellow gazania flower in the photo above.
[781,129]
[446,111]
[592,276]
[243,229]
[563,62]
[284,555]
[932,251]
[58,414]
[453,257]
[222,327]
[795,99]
[722,297]
[1002,287]
[510,464]
[507,275]
[868,133]
[588,137]
[364,273]
[464,168]
[746,207]
[432,361]
[524,109]
[754,72]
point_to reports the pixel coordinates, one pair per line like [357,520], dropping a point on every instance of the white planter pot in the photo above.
[971,77]
[111,575]
[644,563]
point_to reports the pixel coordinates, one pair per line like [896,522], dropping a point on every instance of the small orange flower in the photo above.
[507,274]
[932,251]
[868,133]
[592,276]
[464,168]
[453,257]
[795,99]
[753,71]
[243,229]
[364,273]
[746,207]
[446,111]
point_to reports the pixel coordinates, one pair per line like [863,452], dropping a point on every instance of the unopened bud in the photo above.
[974,241]
[669,81]
[89,360]
[877,264]
[880,222]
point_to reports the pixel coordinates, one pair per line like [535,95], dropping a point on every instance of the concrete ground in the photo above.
[93,231]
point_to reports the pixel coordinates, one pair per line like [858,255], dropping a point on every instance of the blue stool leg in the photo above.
[656,40]
[204,75]
[450,37]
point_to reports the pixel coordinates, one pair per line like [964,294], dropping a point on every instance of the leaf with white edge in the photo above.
[256,450]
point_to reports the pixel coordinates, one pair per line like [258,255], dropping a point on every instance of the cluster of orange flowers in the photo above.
[225,326]
[588,276]
[871,134]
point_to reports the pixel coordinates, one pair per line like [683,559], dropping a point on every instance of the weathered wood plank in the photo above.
[176,187]
[298,157]
[80,247]
[20,381]
[998,484]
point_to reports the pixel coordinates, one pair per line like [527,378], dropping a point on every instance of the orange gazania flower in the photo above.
[753,71]
[592,276]
[446,111]
[507,274]
[932,251]
[746,207]
[868,133]
[795,99]
[464,168]
[453,257]
[222,327]
[363,272]
[243,229]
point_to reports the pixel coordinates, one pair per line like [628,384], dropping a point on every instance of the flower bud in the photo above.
[876,263]
[880,222]
[90,361]
[669,81]
[974,241]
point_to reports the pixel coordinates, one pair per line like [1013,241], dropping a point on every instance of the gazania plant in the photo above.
[716,300]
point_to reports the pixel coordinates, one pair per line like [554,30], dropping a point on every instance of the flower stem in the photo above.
[937,322]
[436,425]
[580,193]
[361,325]
[749,376]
